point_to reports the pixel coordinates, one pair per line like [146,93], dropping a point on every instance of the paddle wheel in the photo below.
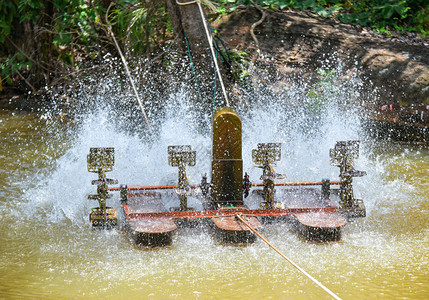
[343,156]
[312,206]
[100,161]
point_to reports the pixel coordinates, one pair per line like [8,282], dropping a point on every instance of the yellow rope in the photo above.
[239,216]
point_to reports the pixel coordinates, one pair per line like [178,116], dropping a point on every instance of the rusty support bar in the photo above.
[275,212]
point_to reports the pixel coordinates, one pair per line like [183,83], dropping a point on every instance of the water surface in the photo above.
[48,249]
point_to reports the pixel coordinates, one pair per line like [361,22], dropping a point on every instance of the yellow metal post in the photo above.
[227,163]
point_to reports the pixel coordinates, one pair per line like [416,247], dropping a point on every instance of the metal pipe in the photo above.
[171,187]
[304,183]
[157,187]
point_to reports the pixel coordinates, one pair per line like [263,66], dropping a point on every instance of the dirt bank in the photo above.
[300,41]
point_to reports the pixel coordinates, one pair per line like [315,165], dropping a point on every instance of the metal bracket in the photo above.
[104,181]
[205,185]
[247,184]
[265,157]
[124,193]
[343,155]
[101,160]
[266,153]
[344,151]
[181,156]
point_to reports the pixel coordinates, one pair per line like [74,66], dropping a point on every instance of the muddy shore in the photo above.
[397,65]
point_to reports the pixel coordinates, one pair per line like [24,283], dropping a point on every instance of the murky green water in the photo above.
[48,249]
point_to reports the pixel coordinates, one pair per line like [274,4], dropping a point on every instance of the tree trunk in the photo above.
[176,23]
[189,32]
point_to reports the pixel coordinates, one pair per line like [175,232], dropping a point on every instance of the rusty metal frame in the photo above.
[275,212]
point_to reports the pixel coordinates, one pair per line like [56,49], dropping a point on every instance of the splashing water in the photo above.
[49,249]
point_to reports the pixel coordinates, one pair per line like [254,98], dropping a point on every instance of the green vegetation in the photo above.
[54,41]
[400,15]
[50,41]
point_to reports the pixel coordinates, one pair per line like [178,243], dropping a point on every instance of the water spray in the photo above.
[127,70]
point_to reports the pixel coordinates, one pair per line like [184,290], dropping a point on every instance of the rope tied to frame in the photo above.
[239,216]
[210,40]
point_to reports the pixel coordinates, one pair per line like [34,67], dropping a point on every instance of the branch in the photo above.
[252,28]
[26,81]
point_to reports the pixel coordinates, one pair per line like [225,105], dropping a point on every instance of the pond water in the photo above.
[48,249]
